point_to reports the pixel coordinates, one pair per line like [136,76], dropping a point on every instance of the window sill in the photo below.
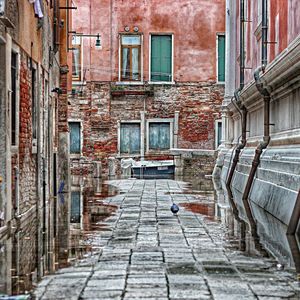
[221,82]
[76,83]
[75,156]
[136,155]
[130,83]
[162,82]
[158,151]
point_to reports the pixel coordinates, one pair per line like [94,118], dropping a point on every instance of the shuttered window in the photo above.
[75,207]
[74,137]
[159,136]
[130,138]
[221,58]
[161,57]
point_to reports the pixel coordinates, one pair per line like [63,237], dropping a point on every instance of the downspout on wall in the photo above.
[266,138]
[241,109]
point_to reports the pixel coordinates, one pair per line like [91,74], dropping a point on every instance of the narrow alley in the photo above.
[143,251]
[114,114]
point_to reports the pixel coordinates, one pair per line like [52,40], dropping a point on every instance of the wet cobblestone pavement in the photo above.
[147,253]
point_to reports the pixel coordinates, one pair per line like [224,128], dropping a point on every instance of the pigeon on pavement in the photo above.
[174,208]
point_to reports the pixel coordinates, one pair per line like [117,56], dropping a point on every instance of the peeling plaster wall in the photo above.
[194,24]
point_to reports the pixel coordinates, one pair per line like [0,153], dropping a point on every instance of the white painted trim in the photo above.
[162,82]
[217,59]
[172,59]
[79,82]
[130,83]
[160,120]
[138,82]
[76,155]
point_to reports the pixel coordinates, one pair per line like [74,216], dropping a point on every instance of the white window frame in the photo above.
[76,155]
[81,81]
[159,120]
[217,59]
[16,50]
[172,60]
[119,138]
[138,82]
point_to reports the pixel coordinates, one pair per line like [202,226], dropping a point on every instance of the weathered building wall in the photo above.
[29,78]
[193,23]
[277,179]
[101,101]
[100,108]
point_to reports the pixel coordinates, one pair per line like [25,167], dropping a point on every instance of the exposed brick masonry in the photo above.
[101,105]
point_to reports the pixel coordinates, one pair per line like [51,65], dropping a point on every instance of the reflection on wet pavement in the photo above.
[114,221]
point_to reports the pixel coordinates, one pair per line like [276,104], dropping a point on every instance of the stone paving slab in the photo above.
[150,254]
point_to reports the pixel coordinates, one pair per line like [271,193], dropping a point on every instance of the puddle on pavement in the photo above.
[267,238]
[89,207]
[207,209]
[83,219]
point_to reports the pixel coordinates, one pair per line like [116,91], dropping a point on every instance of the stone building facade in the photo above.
[154,84]
[30,103]
[259,161]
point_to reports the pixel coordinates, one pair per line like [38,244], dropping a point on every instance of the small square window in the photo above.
[159,136]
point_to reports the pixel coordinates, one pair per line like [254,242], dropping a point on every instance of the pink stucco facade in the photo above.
[194,24]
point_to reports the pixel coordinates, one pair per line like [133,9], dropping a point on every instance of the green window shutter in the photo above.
[161,58]
[221,57]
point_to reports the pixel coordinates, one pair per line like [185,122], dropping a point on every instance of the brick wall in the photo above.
[99,106]
[27,161]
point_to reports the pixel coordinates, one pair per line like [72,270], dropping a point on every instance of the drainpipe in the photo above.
[266,139]
[242,44]
[240,108]
[243,112]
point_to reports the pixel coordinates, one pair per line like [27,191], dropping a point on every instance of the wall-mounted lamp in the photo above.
[98,42]
[97,36]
